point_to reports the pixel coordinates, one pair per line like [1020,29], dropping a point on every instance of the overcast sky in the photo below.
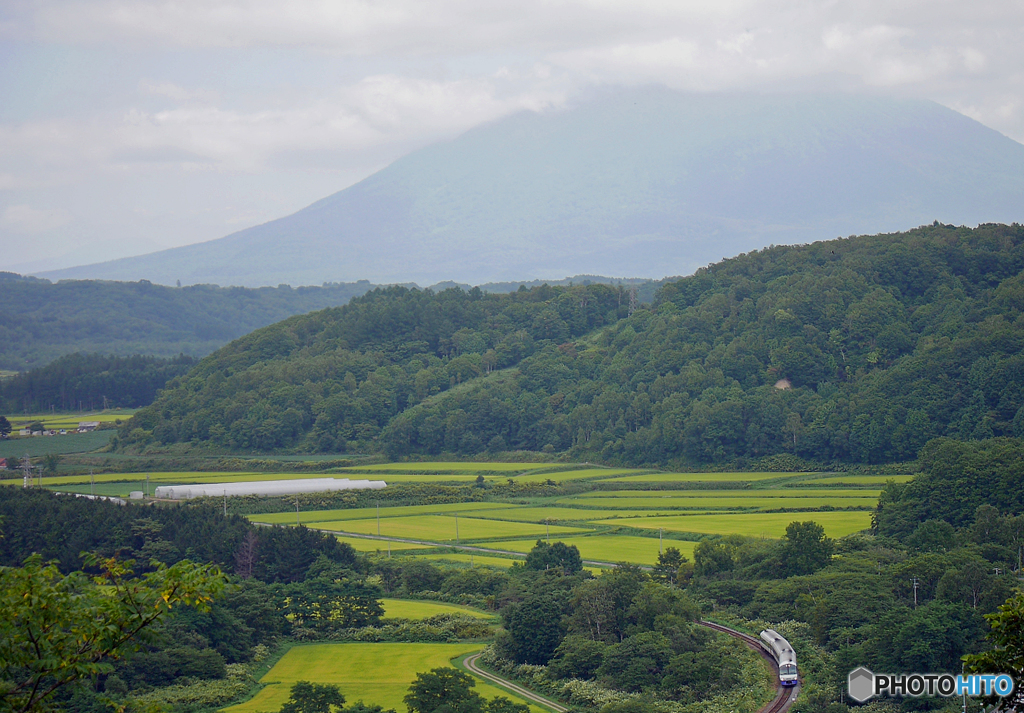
[131,126]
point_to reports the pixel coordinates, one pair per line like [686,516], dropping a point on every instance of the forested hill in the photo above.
[42,321]
[882,343]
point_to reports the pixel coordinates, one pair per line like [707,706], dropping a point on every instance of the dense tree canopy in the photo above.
[859,349]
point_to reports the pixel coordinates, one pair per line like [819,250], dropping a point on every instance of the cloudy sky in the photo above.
[128,126]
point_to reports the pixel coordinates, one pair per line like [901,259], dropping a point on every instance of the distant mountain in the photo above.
[645,182]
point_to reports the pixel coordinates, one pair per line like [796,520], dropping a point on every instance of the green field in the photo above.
[564,475]
[540,514]
[474,559]
[607,548]
[373,673]
[70,420]
[446,468]
[836,524]
[407,609]
[439,528]
[361,545]
[736,502]
[668,495]
[879,480]
[36,446]
[288,518]
[700,477]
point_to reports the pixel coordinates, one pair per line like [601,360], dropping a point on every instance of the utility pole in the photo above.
[659,542]
[26,465]
[547,530]
[456,528]
[378,520]
[914,580]
[147,489]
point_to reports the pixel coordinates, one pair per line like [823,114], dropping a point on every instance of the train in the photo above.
[783,654]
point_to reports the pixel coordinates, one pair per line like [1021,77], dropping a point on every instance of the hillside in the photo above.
[43,321]
[645,182]
[882,342]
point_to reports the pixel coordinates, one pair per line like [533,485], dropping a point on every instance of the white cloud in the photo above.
[27,220]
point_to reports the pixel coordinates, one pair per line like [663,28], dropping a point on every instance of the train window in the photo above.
[787,669]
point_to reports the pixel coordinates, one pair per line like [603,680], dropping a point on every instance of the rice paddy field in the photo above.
[608,548]
[876,480]
[321,516]
[67,421]
[699,477]
[356,668]
[409,609]
[773,525]
[442,528]
[565,475]
[360,544]
[701,500]
[473,559]
[37,446]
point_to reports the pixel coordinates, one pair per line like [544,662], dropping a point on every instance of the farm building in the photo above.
[265,487]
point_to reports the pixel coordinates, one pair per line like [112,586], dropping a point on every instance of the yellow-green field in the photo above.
[444,468]
[667,495]
[373,673]
[564,475]
[70,420]
[607,548]
[474,559]
[407,609]
[749,501]
[879,480]
[540,514]
[440,528]
[361,545]
[700,477]
[285,518]
[836,524]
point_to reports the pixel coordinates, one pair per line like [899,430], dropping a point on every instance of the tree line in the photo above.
[852,350]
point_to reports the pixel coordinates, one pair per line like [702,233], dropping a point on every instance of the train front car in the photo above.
[783,654]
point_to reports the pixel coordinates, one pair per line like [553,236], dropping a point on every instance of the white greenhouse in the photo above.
[266,487]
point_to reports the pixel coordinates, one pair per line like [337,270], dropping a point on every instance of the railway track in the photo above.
[785,696]
[471,664]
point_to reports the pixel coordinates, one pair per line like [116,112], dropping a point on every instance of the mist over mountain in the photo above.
[646,182]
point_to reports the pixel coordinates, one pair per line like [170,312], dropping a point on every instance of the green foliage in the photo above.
[126,318]
[5,425]
[309,697]
[91,381]
[56,630]
[1006,636]
[557,556]
[444,690]
[805,549]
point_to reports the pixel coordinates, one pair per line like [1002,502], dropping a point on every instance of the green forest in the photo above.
[853,350]
[42,321]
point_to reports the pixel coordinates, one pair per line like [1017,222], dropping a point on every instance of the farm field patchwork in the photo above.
[751,501]
[440,528]
[357,668]
[699,477]
[878,480]
[288,518]
[564,475]
[607,548]
[363,545]
[836,523]
[454,467]
[801,492]
[36,446]
[474,559]
[540,514]
[408,609]
[67,421]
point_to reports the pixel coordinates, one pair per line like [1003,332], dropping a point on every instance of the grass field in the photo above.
[474,559]
[286,518]
[36,446]
[564,475]
[407,609]
[699,477]
[70,420]
[668,495]
[836,524]
[361,545]
[702,500]
[444,468]
[440,528]
[839,480]
[607,548]
[540,514]
[373,673]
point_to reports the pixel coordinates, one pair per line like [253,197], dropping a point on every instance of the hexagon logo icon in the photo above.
[861,684]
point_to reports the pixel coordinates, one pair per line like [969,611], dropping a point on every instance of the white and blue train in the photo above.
[783,654]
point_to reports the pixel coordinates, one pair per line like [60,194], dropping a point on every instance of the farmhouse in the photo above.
[86,426]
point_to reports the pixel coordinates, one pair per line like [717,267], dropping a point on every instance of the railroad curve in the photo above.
[470,663]
[786,695]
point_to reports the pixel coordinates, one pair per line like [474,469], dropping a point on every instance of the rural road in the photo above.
[470,662]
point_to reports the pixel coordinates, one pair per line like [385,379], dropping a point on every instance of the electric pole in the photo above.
[914,580]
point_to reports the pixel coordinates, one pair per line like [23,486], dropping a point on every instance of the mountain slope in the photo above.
[881,343]
[646,182]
